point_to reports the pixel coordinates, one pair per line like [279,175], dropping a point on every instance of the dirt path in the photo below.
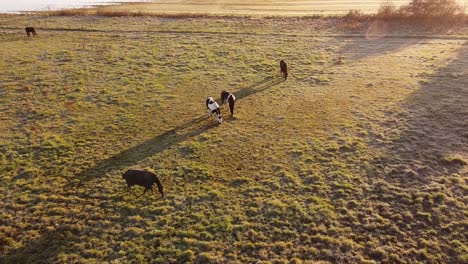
[302,35]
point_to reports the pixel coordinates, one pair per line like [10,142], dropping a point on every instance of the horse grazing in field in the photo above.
[230,98]
[213,108]
[30,30]
[284,69]
[143,178]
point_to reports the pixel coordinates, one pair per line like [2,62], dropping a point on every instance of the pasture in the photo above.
[362,161]
[258,7]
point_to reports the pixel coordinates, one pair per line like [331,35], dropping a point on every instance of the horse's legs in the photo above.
[231,106]
[129,189]
[142,193]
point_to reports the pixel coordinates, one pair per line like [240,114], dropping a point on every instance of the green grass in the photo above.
[363,161]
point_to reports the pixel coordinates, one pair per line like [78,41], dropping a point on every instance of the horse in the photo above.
[143,178]
[284,69]
[213,108]
[30,30]
[230,98]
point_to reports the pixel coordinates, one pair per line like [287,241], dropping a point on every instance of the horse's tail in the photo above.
[160,187]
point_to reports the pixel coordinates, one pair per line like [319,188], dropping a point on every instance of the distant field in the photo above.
[258,7]
[361,156]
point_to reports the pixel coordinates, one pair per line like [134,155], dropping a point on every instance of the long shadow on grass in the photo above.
[42,250]
[361,48]
[169,138]
[257,87]
[70,232]
[420,174]
[435,135]
[380,37]
[148,148]
[52,243]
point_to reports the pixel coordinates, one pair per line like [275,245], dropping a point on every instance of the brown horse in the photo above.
[31,30]
[284,69]
[142,178]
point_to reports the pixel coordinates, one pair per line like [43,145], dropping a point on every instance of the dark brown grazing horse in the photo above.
[284,69]
[31,30]
[143,178]
[230,98]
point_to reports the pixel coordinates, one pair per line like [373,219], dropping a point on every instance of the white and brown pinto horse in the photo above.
[230,98]
[213,108]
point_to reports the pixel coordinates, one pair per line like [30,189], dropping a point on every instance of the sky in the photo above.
[29,5]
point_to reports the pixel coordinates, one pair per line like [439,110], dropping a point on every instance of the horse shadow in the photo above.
[53,242]
[257,87]
[167,139]
[147,148]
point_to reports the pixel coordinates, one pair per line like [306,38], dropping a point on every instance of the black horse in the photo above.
[284,69]
[230,98]
[30,30]
[143,178]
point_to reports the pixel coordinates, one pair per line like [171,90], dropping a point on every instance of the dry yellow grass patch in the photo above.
[258,7]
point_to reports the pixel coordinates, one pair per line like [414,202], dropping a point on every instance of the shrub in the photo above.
[119,13]
[70,12]
[432,9]
[387,10]
[355,14]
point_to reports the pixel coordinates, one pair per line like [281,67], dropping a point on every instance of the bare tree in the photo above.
[387,9]
[432,8]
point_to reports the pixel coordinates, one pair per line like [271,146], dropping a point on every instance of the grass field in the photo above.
[363,161]
[255,8]
[258,7]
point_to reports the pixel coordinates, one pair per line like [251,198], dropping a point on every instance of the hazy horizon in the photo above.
[11,6]
[14,6]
